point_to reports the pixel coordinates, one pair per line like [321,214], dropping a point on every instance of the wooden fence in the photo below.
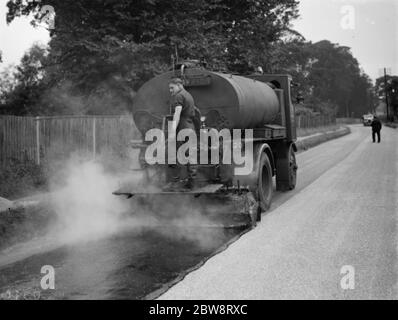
[32,139]
[29,139]
[17,139]
[348,121]
[314,121]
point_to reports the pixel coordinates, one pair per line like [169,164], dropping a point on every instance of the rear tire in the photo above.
[265,186]
[286,171]
[292,169]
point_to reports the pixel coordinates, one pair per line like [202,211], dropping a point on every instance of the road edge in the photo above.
[391,125]
[312,141]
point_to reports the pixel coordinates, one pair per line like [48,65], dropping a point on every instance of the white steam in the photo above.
[85,205]
[87,210]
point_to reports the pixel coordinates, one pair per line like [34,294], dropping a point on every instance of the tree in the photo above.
[328,76]
[110,47]
[392,93]
[7,81]
[22,86]
[101,51]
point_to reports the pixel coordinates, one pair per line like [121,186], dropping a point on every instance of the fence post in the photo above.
[38,141]
[94,138]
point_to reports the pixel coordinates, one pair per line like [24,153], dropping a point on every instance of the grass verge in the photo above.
[305,132]
[21,179]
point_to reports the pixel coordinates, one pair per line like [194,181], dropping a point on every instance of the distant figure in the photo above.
[376,128]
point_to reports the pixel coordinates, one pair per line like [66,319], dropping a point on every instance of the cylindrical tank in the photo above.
[238,102]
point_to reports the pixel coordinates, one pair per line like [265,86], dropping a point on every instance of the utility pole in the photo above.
[386,92]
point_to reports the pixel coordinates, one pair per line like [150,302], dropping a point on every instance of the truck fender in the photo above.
[258,149]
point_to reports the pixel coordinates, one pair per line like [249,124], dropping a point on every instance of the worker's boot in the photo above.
[189,184]
[191,176]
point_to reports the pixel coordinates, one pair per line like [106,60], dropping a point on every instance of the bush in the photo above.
[314,106]
[20,179]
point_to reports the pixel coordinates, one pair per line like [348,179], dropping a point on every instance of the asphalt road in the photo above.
[343,213]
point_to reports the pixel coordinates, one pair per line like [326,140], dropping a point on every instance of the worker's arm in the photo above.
[176,121]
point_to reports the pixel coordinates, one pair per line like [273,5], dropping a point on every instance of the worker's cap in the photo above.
[176,81]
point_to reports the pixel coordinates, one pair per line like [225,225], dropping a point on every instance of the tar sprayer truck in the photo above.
[252,114]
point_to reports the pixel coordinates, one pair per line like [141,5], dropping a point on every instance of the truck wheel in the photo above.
[265,187]
[292,169]
[286,170]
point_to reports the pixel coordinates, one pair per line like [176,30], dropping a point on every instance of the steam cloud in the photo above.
[87,210]
[85,206]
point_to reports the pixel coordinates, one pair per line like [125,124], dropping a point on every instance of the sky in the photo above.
[372,34]
[369,27]
[17,37]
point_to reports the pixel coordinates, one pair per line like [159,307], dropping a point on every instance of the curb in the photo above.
[306,143]
[391,125]
[7,206]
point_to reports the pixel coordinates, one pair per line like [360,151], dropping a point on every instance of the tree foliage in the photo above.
[99,39]
[330,77]
[21,87]
[388,86]
[101,51]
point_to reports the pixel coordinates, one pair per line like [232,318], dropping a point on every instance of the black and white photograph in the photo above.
[198,155]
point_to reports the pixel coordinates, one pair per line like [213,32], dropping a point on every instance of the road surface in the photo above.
[346,217]
[343,212]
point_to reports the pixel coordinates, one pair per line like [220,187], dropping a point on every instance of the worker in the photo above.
[376,128]
[184,112]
